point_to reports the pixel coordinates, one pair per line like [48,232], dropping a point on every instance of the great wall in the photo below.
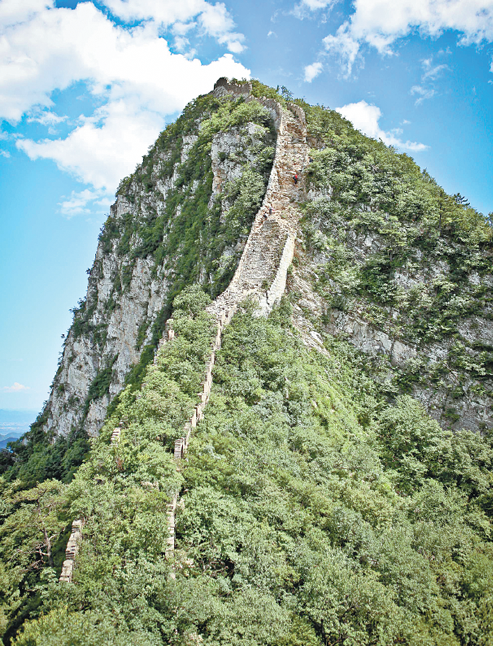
[261,273]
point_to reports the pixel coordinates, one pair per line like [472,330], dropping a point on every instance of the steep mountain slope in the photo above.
[182,217]
[311,511]
[401,270]
[316,504]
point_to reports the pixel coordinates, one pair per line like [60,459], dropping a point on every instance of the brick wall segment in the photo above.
[73,545]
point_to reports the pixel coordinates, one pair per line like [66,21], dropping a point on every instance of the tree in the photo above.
[286,94]
[27,545]
[461,200]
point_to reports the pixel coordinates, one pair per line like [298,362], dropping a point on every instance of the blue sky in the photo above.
[85,88]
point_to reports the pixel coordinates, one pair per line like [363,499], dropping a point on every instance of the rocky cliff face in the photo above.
[182,217]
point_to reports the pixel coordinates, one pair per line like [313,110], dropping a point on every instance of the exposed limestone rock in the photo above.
[126,295]
[452,397]
[84,358]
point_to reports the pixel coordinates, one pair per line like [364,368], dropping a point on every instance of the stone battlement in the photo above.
[222,87]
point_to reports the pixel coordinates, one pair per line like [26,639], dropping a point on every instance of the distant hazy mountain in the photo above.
[13,424]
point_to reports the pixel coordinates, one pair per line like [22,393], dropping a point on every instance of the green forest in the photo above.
[320,504]
[313,512]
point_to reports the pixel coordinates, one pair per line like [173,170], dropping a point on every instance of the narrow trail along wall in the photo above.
[261,273]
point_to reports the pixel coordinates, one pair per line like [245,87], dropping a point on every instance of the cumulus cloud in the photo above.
[214,20]
[105,147]
[312,71]
[379,23]
[4,153]
[16,388]
[130,71]
[13,11]
[365,117]
[182,43]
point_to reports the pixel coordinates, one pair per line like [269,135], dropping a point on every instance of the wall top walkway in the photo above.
[262,270]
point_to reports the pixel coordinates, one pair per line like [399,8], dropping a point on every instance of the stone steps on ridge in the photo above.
[270,240]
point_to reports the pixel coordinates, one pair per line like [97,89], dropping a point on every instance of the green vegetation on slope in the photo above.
[393,248]
[121,492]
[188,238]
[313,512]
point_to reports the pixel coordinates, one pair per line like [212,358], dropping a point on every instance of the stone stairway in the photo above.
[262,269]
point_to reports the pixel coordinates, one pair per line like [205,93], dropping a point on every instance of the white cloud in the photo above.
[105,201]
[432,72]
[5,153]
[45,118]
[344,45]
[312,71]
[424,93]
[317,4]
[16,388]
[180,29]
[214,20]
[365,117]
[379,23]
[78,201]
[105,147]
[165,12]
[131,71]
[13,11]
[84,201]
[305,7]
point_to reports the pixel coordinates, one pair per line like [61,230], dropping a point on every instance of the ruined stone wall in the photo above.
[278,286]
[73,545]
[262,269]
[223,87]
[182,443]
[298,112]
[265,261]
